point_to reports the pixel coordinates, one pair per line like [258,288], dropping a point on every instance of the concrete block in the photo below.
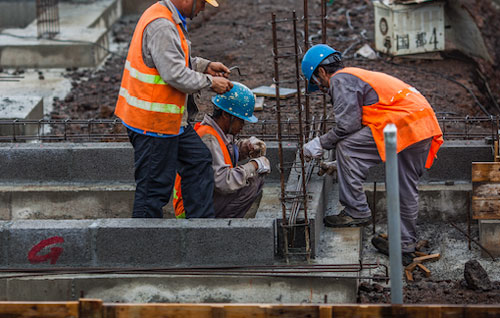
[49,243]
[489,236]
[71,202]
[3,289]
[4,243]
[461,153]
[16,13]
[138,243]
[5,211]
[228,241]
[20,107]
[40,289]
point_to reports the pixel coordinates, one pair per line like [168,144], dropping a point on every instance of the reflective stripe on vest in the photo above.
[155,107]
[145,101]
[143,77]
[177,200]
[402,105]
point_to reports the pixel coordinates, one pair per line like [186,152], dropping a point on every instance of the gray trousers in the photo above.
[236,205]
[356,154]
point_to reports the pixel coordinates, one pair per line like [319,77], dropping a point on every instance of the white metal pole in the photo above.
[393,217]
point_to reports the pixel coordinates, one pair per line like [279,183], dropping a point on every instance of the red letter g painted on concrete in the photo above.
[53,255]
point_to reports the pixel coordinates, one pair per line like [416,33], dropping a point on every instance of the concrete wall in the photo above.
[136,243]
[16,13]
[452,164]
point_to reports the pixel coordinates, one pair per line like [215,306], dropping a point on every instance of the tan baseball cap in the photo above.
[213,2]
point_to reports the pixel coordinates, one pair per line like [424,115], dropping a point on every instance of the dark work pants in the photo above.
[156,162]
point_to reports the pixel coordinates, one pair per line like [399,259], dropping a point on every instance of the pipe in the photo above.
[393,217]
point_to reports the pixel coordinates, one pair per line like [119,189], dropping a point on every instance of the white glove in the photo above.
[259,147]
[313,149]
[264,165]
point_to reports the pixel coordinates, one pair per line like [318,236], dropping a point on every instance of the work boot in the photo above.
[382,245]
[345,220]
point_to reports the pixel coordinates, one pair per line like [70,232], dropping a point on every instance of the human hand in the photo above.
[264,165]
[221,85]
[328,167]
[258,147]
[217,69]
[313,149]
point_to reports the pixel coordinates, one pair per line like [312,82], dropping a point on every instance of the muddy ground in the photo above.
[239,33]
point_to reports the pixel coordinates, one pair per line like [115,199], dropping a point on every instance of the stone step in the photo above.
[82,42]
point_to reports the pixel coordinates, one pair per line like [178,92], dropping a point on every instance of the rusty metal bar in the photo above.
[47,17]
[306,47]
[301,136]
[280,146]
[473,240]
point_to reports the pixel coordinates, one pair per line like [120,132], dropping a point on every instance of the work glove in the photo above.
[313,149]
[258,147]
[328,167]
[264,165]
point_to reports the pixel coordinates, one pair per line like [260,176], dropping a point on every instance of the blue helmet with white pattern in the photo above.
[239,102]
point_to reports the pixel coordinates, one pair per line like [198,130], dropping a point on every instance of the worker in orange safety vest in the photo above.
[154,102]
[364,102]
[238,186]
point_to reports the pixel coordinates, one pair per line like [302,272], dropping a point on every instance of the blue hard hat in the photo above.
[313,58]
[239,102]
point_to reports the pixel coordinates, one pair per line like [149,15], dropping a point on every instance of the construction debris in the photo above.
[417,262]
[476,277]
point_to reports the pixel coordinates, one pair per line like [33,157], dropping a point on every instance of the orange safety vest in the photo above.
[401,105]
[145,101]
[177,201]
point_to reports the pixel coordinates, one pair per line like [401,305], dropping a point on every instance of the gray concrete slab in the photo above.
[460,153]
[181,289]
[489,237]
[4,243]
[66,202]
[5,206]
[20,107]
[228,241]
[16,13]
[82,41]
[437,202]
[138,243]
[48,243]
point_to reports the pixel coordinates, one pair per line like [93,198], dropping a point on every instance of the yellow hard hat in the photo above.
[213,2]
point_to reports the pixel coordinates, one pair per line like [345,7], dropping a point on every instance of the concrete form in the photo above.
[16,13]
[82,41]
[136,243]
[489,236]
[21,107]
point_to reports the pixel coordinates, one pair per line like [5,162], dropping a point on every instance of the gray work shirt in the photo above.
[161,49]
[227,179]
[349,94]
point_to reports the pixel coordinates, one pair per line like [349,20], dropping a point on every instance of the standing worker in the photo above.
[364,102]
[158,80]
[238,188]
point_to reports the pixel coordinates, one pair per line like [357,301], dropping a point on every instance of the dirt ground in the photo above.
[239,33]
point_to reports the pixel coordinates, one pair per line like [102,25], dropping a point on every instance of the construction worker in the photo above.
[238,187]
[364,102]
[157,86]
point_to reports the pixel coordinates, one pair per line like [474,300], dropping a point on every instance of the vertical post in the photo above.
[393,217]
[306,47]
[280,146]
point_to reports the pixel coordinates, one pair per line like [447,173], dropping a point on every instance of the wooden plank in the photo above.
[424,269]
[158,310]
[303,311]
[486,190]
[485,209]
[90,308]
[243,311]
[432,257]
[409,275]
[420,253]
[486,172]
[32,309]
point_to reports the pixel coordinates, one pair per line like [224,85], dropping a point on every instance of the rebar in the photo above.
[280,146]
[47,18]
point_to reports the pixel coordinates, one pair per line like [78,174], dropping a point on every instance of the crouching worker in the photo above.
[238,187]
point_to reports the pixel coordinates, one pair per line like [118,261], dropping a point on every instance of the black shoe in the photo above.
[382,245]
[345,220]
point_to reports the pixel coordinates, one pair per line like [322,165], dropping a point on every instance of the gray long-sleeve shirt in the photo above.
[349,94]
[161,49]
[227,179]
